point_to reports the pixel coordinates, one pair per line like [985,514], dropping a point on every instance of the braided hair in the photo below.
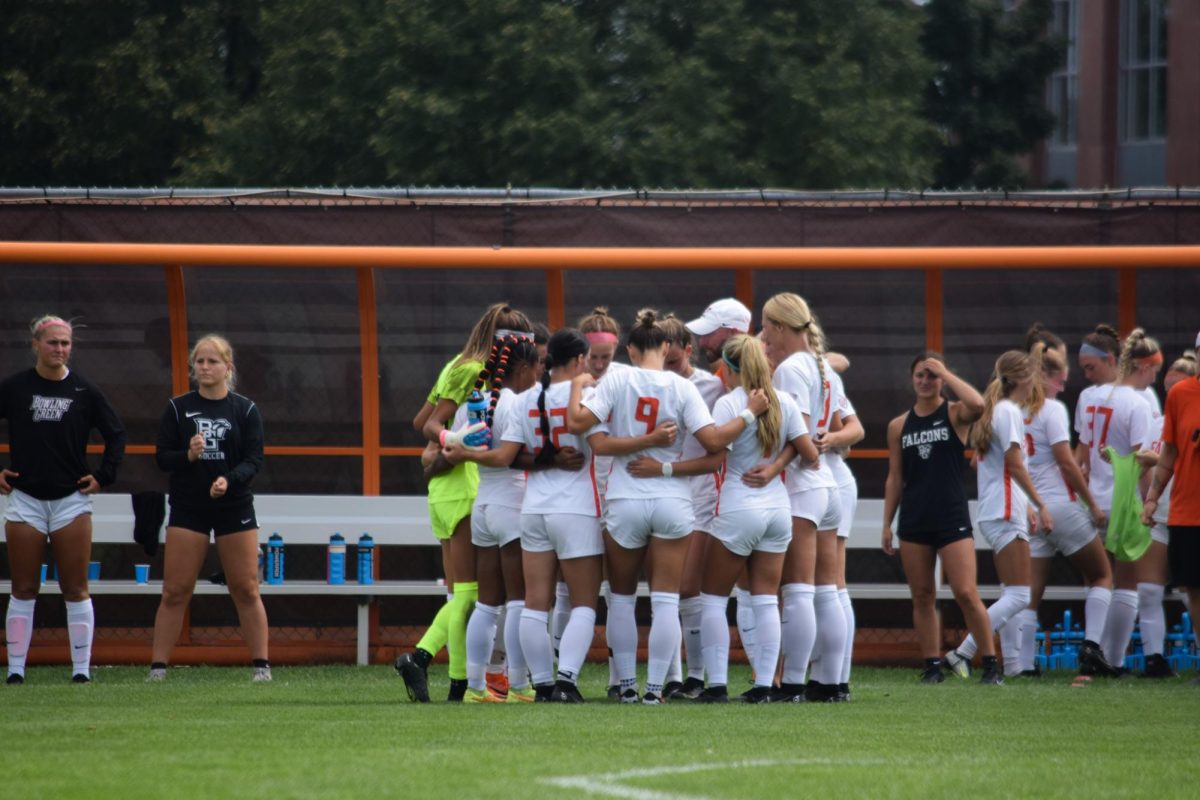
[506,351]
[564,346]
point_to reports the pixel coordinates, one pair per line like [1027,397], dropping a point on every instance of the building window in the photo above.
[1143,88]
[1064,82]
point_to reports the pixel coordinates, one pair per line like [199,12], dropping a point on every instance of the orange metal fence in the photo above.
[554,262]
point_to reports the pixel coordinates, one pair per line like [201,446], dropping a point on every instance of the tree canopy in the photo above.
[816,94]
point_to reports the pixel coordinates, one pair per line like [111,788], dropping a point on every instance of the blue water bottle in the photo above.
[477,412]
[275,559]
[366,559]
[335,560]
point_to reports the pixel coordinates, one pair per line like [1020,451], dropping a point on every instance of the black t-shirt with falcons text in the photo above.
[48,427]
[233,448]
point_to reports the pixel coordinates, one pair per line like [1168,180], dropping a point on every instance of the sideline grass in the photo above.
[332,732]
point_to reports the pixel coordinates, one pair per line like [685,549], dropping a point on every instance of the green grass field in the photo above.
[329,732]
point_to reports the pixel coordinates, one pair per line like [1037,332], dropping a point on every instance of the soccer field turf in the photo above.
[351,732]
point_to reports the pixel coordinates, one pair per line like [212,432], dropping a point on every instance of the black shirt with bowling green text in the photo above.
[233,448]
[48,427]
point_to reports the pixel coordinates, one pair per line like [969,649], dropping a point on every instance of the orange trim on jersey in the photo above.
[595,488]
[1007,495]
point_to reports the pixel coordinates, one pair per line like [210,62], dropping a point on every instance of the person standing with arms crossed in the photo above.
[50,411]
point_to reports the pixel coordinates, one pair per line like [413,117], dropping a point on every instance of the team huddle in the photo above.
[558,475]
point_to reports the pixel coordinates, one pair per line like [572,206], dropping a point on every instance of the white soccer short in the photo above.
[46,516]
[566,535]
[495,526]
[768,530]
[1000,533]
[705,490]
[848,504]
[1160,534]
[822,507]
[631,522]
[1073,529]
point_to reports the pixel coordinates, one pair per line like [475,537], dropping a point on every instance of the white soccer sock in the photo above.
[1119,626]
[767,625]
[745,622]
[665,635]
[714,637]
[18,631]
[606,593]
[1028,620]
[691,609]
[623,638]
[535,643]
[1152,622]
[831,634]
[1010,644]
[81,621]
[518,672]
[851,625]
[499,660]
[562,612]
[1012,600]
[798,629]
[576,641]
[1095,612]
[481,636]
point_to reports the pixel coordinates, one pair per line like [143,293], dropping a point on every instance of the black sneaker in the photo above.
[458,690]
[672,689]
[416,681]
[566,692]
[614,692]
[933,674]
[757,695]
[713,694]
[788,693]
[15,679]
[629,697]
[692,687]
[1093,662]
[79,677]
[1157,667]
[543,693]
[820,692]
[843,690]
[991,676]
[651,699]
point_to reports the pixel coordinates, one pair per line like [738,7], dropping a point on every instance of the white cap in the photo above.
[725,313]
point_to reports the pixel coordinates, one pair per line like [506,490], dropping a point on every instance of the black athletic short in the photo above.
[935,539]
[217,521]
[1183,555]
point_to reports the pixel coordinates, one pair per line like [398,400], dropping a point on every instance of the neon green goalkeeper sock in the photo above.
[435,635]
[465,595]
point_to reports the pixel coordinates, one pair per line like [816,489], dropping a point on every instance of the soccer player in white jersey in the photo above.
[1098,363]
[754,527]
[496,533]
[1005,492]
[811,607]
[647,519]
[845,431]
[1061,485]
[1129,423]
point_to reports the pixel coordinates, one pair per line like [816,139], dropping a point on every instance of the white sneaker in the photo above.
[156,675]
[957,664]
[261,675]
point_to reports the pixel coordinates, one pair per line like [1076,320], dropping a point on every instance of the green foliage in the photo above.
[987,95]
[817,94]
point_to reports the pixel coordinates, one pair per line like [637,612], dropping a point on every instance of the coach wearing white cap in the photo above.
[721,320]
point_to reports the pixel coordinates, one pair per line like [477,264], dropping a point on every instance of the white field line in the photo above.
[613,784]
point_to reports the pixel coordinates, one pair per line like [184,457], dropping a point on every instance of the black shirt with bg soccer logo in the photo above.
[233,448]
[48,427]
[933,459]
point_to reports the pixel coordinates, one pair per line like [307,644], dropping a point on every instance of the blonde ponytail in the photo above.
[746,355]
[1137,345]
[1011,368]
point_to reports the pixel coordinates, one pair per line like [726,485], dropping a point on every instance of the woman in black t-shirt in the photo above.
[50,411]
[211,441]
[926,456]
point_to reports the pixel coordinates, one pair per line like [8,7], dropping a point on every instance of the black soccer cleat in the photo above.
[788,693]
[692,687]
[1092,661]
[991,676]
[79,677]
[613,692]
[843,690]
[713,694]
[542,693]
[15,679]
[566,692]
[1157,667]
[672,689]
[416,680]
[757,695]
[629,697]
[458,690]
[820,692]
[1036,672]
[933,674]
